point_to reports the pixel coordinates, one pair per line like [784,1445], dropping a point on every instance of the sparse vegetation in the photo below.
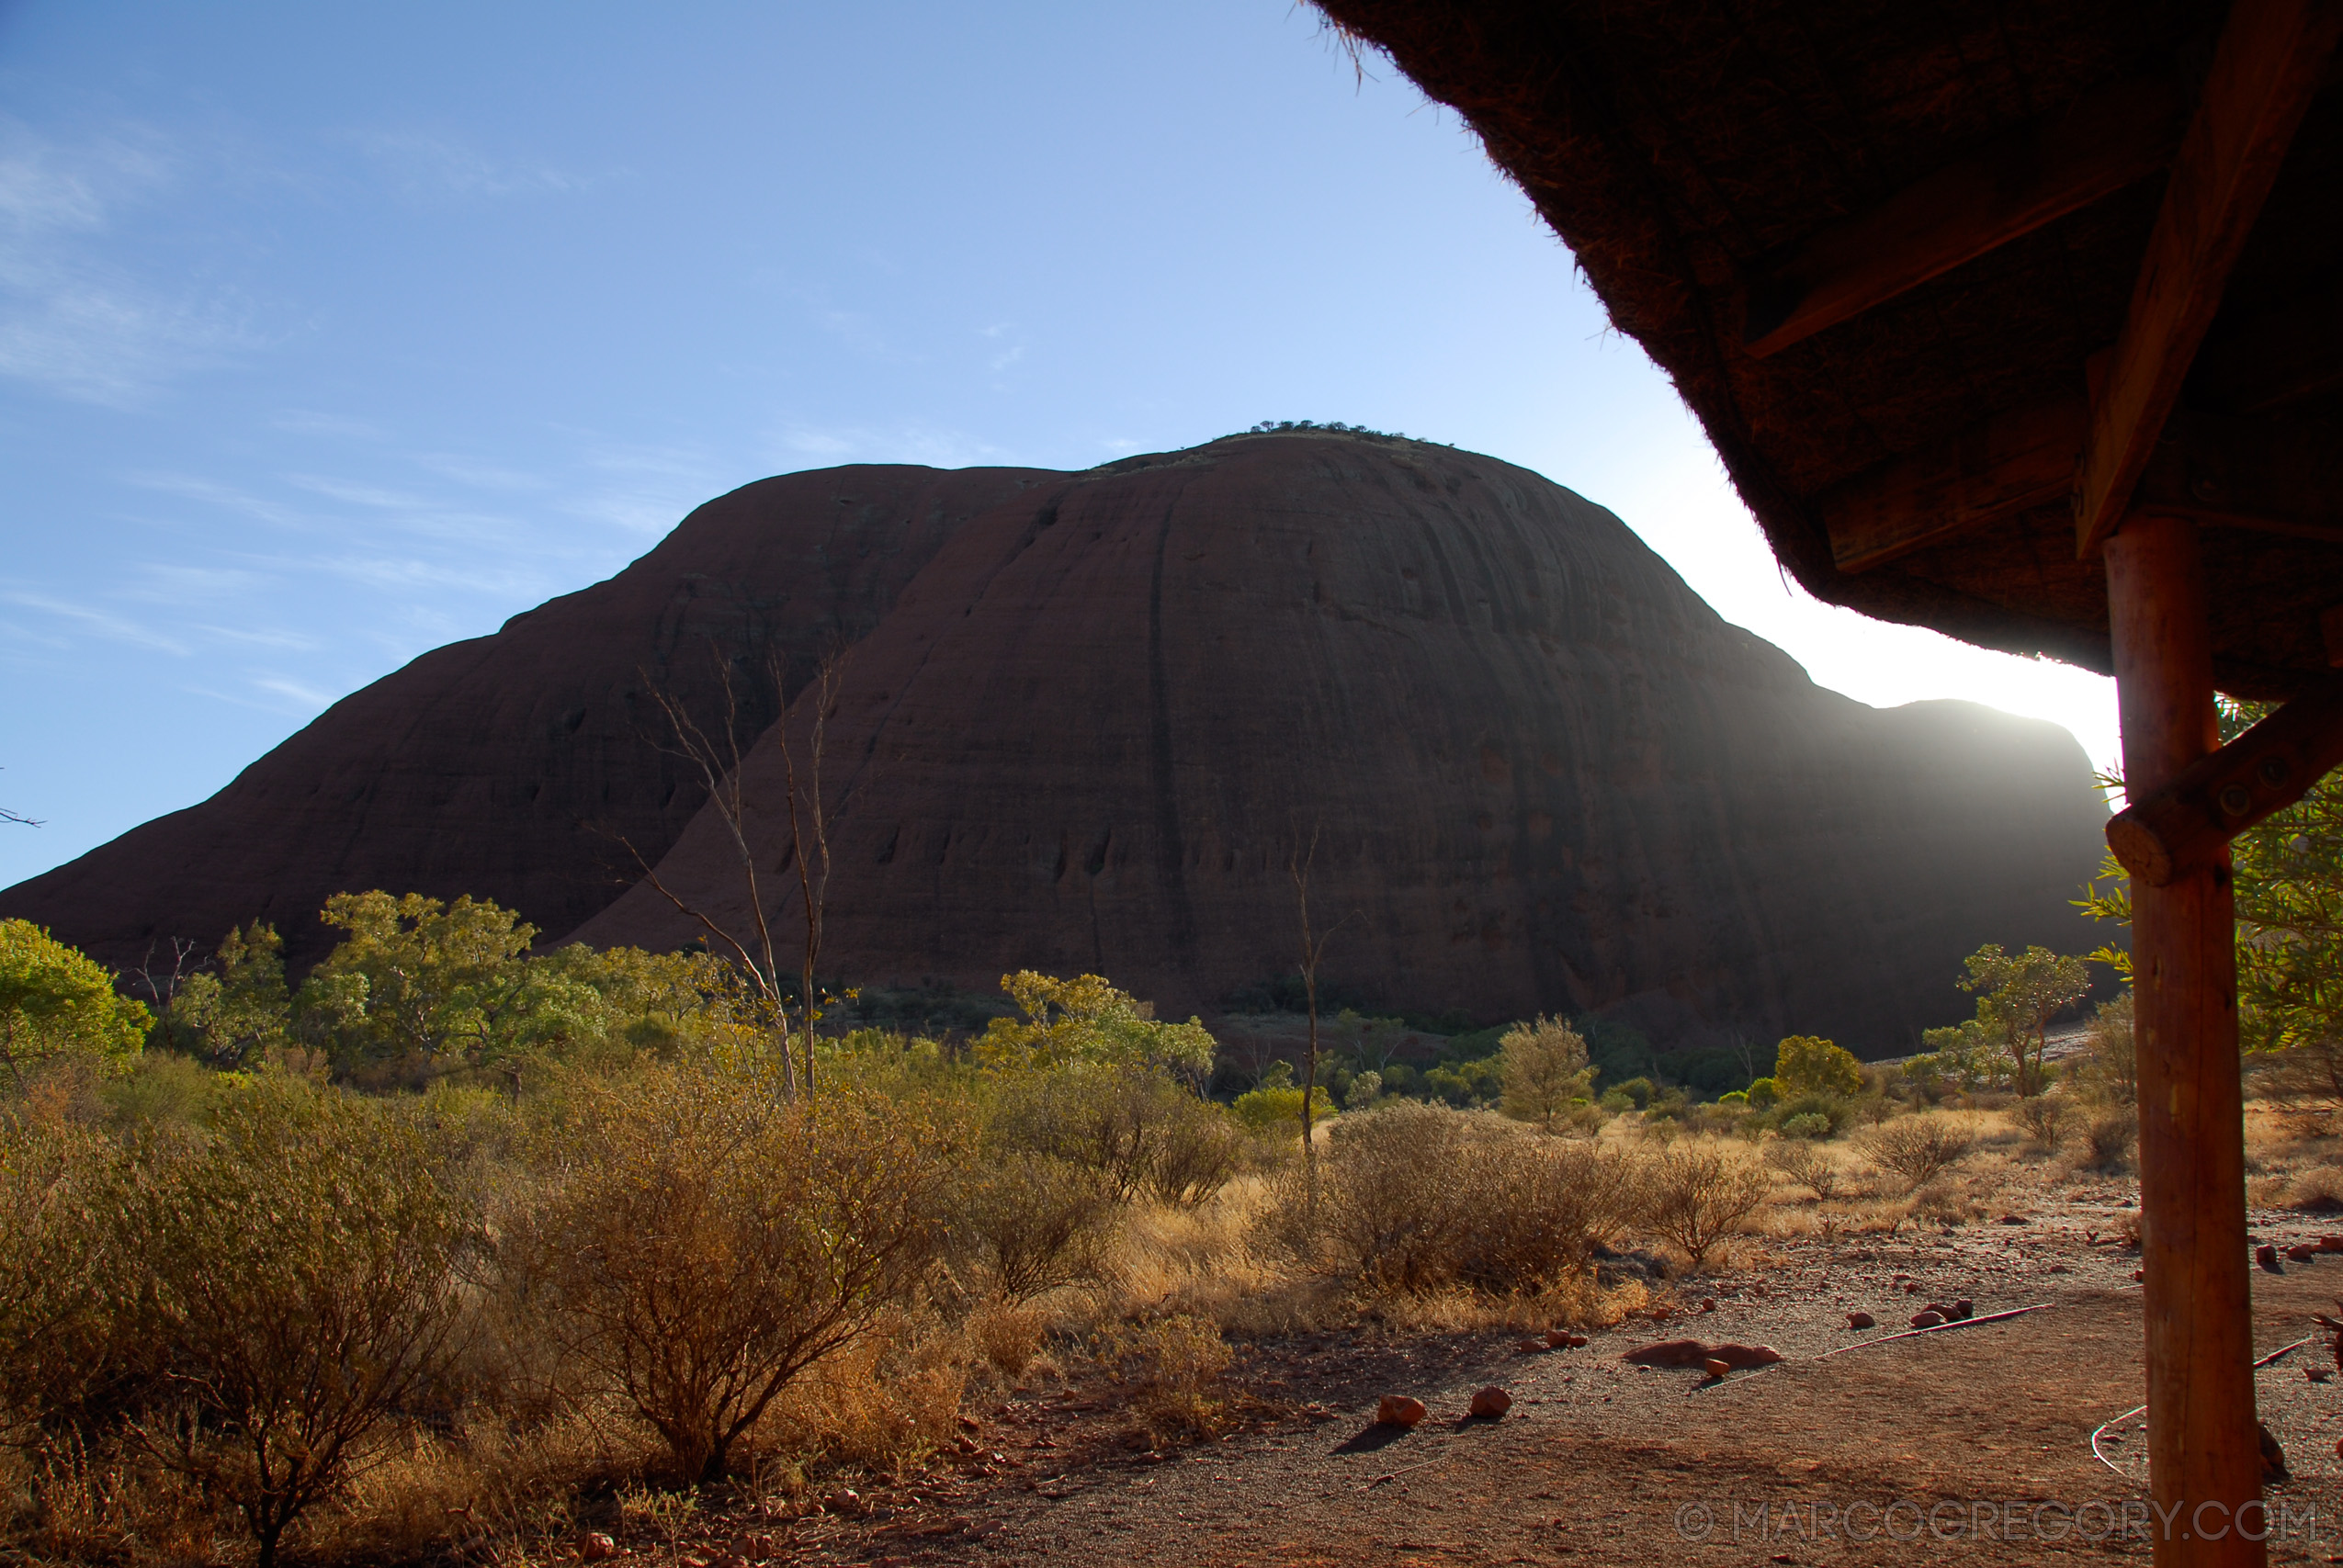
[1917,1148]
[566,1213]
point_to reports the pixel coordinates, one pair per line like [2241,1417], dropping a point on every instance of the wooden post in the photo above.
[2204,1444]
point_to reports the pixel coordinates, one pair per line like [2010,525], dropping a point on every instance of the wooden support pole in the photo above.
[2203,1450]
[2186,822]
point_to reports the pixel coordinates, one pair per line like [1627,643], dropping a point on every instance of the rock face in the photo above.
[511,766]
[1541,773]
[1092,718]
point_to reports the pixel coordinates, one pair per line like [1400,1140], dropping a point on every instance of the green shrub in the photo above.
[65,1285]
[1638,1092]
[1275,1106]
[1804,1065]
[1544,1066]
[1463,1083]
[1696,1195]
[55,1001]
[1763,1092]
[1807,1124]
[299,1264]
[1027,1224]
[1135,1130]
[1734,1097]
[1416,1198]
[703,1243]
[1834,1112]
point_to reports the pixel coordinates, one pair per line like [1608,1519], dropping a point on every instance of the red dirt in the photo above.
[1599,1461]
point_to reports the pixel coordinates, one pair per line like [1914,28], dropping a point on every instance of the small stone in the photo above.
[2013,1219]
[2330,1244]
[2273,1458]
[1926,1319]
[1739,1356]
[1912,1288]
[1398,1410]
[2266,1255]
[2301,1254]
[1861,1320]
[1668,1353]
[968,1423]
[1491,1402]
[1532,1347]
[1716,1368]
[2138,1276]
[1708,1303]
[1964,1308]
[596,1547]
[2317,1374]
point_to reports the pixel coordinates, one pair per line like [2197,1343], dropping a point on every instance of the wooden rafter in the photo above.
[2288,354]
[2270,62]
[2109,138]
[1988,472]
[2180,828]
[2272,477]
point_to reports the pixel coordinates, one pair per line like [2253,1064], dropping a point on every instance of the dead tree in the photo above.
[716,758]
[1297,866]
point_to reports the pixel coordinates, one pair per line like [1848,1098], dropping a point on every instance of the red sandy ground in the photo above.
[1600,1462]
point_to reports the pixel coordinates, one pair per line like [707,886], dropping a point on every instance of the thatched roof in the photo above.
[1879,248]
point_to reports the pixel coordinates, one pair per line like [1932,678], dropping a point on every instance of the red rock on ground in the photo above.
[1398,1410]
[1490,1403]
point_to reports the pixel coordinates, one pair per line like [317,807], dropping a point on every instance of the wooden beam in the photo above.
[2270,64]
[1985,473]
[2204,1460]
[2105,141]
[2285,354]
[2270,476]
[2181,827]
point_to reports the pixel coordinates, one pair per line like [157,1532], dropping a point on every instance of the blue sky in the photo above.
[331,334]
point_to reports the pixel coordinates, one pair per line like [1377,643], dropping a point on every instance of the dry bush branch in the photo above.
[1917,1148]
[707,1244]
[1694,1195]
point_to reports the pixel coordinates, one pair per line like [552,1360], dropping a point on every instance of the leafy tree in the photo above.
[54,1001]
[233,1016]
[1087,1020]
[1804,1065]
[437,988]
[2287,874]
[1544,1068]
[1374,1041]
[2018,995]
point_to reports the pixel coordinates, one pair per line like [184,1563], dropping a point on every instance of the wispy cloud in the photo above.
[425,163]
[104,623]
[79,326]
[480,475]
[286,687]
[308,422]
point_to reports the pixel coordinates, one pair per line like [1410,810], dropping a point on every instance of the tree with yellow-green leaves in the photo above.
[1544,1068]
[1805,1065]
[55,1001]
[1087,1020]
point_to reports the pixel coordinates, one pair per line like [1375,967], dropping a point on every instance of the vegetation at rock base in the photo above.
[458,1234]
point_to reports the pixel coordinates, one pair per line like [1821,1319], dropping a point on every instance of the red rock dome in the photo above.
[1544,775]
